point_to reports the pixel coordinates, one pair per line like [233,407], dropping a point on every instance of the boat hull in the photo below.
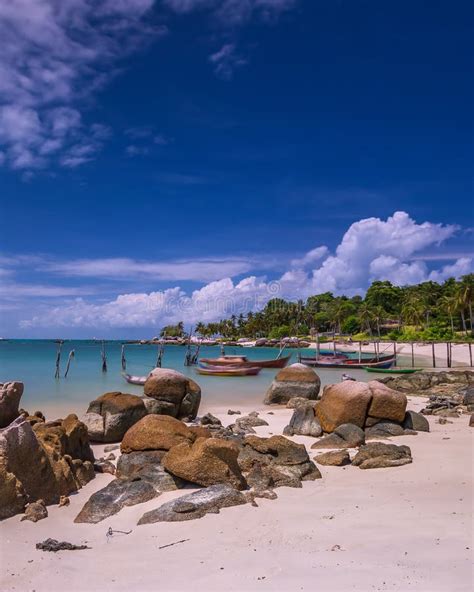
[243,363]
[355,364]
[140,380]
[223,371]
[393,370]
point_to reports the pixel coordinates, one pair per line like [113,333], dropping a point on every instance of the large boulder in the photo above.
[344,402]
[346,435]
[296,380]
[386,403]
[377,455]
[113,497]
[10,395]
[147,466]
[207,461]
[156,432]
[303,422]
[111,415]
[34,465]
[174,393]
[359,403]
[195,505]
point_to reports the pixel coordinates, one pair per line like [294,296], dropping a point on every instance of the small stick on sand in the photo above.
[171,544]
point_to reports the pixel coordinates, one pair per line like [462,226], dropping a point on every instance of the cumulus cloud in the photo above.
[370,249]
[54,54]
[311,257]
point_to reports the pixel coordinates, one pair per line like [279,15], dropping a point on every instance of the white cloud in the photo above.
[234,12]
[462,266]
[53,55]
[202,270]
[226,60]
[397,237]
[370,249]
[311,257]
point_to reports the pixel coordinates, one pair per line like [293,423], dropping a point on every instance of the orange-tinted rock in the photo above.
[156,432]
[386,403]
[344,402]
[208,461]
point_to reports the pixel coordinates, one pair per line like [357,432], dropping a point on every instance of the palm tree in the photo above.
[413,311]
[467,286]
[449,305]
[461,297]
[378,314]
[366,316]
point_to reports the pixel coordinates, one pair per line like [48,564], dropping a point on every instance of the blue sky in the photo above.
[180,158]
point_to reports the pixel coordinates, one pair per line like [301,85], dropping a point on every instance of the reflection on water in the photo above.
[33,362]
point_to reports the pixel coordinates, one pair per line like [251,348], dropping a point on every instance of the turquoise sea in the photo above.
[33,362]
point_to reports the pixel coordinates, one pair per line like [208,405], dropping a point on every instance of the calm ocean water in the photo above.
[33,362]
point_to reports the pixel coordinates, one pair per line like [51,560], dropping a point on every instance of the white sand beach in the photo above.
[403,528]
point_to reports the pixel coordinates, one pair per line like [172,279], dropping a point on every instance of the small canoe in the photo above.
[355,364]
[244,362]
[393,370]
[229,371]
[140,380]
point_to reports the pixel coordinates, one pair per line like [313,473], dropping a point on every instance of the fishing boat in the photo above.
[244,362]
[381,363]
[140,380]
[393,370]
[227,371]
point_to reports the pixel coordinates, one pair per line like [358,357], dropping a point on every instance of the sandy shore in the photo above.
[404,528]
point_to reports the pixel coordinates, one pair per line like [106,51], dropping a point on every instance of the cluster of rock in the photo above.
[374,455]
[449,381]
[43,461]
[161,453]
[166,391]
[351,411]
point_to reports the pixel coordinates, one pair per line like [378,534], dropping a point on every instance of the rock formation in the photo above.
[174,393]
[10,395]
[195,505]
[111,415]
[359,403]
[35,463]
[296,380]
[207,461]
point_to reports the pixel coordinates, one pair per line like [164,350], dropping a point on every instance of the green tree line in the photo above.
[426,311]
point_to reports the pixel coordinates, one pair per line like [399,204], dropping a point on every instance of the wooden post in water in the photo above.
[412,356]
[375,350]
[334,342]
[470,356]
[395,352]
[360,351]
[433,354]
[123,358]
[317,346]
[70,357]
[104,357]
[450,355]
[448,362]
[58,359]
